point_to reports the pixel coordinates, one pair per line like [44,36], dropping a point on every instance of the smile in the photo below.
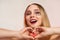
[33,21]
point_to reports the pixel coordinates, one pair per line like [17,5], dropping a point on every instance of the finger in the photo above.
[43,34]
[39,30]
[28,29]
[28,37]
[25,29]
[40,35]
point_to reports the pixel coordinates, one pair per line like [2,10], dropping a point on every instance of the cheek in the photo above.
[40,20]
[27,18]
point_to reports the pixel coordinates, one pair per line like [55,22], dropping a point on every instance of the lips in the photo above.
[33,21]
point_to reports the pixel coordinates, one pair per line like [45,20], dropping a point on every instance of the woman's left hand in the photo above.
[46,32]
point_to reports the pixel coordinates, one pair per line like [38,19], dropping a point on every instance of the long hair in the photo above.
[45,22]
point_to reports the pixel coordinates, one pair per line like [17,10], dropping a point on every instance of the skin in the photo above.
[33,12]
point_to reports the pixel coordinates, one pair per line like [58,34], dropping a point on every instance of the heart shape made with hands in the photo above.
[34,32]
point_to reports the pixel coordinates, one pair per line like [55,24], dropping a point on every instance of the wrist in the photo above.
[55,30]
[17,34]
[14,33]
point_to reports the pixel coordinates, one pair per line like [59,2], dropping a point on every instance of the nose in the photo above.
[32,16]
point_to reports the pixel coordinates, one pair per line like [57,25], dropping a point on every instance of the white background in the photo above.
[12,12]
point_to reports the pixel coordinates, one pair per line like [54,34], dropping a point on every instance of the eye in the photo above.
[28,13]
[38,13]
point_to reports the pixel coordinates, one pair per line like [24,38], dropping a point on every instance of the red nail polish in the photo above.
[33,34]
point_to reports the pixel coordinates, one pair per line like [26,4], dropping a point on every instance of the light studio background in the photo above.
[12,12]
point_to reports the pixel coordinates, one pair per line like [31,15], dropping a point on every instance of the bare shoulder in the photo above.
[55,37]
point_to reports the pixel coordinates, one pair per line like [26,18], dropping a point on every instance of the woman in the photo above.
[34,18]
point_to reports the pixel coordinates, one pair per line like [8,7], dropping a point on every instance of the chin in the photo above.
[34,26]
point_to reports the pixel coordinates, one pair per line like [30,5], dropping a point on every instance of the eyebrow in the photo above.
[36,10]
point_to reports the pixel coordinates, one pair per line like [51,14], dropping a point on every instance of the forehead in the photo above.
[33,7]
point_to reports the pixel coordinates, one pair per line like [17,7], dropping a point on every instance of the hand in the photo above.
[46,32]
[36,31]
[24,34]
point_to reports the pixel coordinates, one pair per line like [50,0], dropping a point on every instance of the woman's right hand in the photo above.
[24,34]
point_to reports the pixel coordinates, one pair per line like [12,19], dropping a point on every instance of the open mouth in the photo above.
[33,21]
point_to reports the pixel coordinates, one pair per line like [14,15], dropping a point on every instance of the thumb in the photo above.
[28,37]
[40,35]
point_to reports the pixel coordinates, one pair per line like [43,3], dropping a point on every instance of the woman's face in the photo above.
[33,16]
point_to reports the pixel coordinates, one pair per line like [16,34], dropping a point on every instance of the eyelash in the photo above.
[37,12]
[27,13]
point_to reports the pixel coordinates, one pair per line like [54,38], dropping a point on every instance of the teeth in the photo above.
[33,20]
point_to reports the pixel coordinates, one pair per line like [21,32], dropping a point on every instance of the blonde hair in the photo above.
[45,22]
